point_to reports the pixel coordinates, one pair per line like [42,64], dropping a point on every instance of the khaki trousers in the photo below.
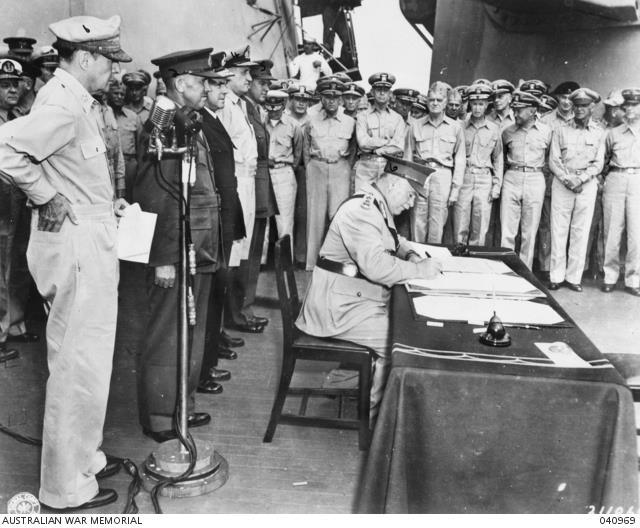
[571,215]
[429,215]
[621,204]
[472,211]
[76,271]
[327,188]
[285,188]
[520,207]
[245,175]
[367,171]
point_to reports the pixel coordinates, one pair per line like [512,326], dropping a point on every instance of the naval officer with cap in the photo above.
[526,144]
[136,84]
[56,156]
[184,73]
[361,258]
[379,130]
[621,197]
[483,173]
[350,99]
[404,98]
[576,159]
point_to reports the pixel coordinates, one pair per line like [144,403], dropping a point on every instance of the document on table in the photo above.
[562,355]
[456,308]
[475,284]
[424,250]
[461,264]
[135,234]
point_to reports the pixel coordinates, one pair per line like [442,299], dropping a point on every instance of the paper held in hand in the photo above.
[135,234]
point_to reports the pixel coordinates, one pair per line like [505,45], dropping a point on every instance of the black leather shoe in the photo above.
[199,419]
[574,287]
[258,320]
[7,354]
[554,286]
[27,337]
[248,327]
[209,386]
[112,467]
[105,496]
[607,288]
[217,374]
[194,420]
[226,353]
[632,291]
[230,341]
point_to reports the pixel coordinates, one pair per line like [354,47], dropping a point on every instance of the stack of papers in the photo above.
[135,234]
[456,308]
[475,285]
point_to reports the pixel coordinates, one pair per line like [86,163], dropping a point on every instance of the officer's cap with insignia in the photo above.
[20,47]
[421,103]
[548,103]
[631,96]
[342,77]
[502,86]
[462,89]
[218,63]
[584,96]
[330,87]
[406,95]
[300,91]
[10,69]
[524,99]
[279,84]
[276,98]
[565,88]
[354,90]
[479,92]
[382,80]
[415,173]
[192,62]
[533,87]
[92,34]
[614,99]
[134,79]
[262,70]
[46,56]
[239,58]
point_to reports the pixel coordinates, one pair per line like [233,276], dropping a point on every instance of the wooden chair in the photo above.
[298,345]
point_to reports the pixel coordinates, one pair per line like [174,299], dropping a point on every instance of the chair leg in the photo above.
[364,390]
[288,365]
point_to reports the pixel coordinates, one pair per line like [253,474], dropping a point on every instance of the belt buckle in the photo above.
[350,270]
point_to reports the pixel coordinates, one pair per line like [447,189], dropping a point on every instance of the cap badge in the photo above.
[384,77]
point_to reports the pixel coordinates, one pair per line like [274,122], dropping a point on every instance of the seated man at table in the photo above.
[361,258]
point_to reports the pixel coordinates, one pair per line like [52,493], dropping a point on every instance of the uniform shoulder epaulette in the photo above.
[367,200]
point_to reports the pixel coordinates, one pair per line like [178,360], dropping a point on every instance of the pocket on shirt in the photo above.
[92,147]
[447,144]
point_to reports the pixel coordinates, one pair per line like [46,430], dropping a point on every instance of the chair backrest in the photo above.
[287,288]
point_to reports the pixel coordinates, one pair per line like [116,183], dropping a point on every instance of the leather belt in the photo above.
[578,172]
[279,165]
[434,164]
[348,269]
[630,170]
[370,156]
[525,168]
[325,160]
[478,169]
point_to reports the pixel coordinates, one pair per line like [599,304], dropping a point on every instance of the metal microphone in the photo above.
[162,112]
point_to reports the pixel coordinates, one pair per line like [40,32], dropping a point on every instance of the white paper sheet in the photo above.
[135,234]
[484,284]
[475,265]
[562,354]
[445,308]
[436,252]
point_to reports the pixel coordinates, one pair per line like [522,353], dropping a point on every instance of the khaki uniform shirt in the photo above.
[574,148]
[285,141]
[527,146]
[301,120]
[144,112]
[129,125]
[62,135]
[502,122]
[555,119]
[328,138]
[233,117]
[623,146]
[373,124]
[483,145]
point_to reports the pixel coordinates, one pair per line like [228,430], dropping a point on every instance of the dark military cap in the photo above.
[479,92]
[342,77]
[218,61]
[421,102]
[406,95]
[534,87]
[262,70]
[523,99]
[146,75]
[354,89]
[415,173]
[631,96]
[10,69]
[134,79]
[276,98]
[300,91]
[548,103]
[239,58]
[584,96]
[20,47]
[193,62]
[330,87]
[481,81]
[382,80]
[565,88]
[502,86]
[280,84]
[462,89]
[46,56]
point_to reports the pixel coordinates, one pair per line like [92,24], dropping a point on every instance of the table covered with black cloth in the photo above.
[466,428]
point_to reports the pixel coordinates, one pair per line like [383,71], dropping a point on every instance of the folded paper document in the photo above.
[135,234]
[475,285]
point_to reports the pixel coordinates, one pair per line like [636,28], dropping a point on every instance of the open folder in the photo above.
[135,234]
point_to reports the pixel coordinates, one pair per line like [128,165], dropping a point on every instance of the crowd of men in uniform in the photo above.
[508,166]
